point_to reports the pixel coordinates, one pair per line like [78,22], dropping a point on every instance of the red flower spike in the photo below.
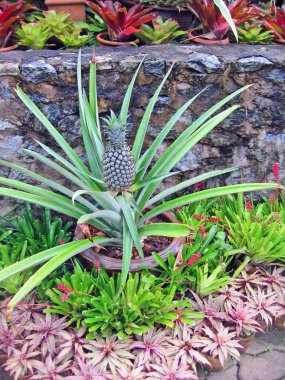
[193,259]
[64,297]
[199,217]
[214,219]
[249,206]
[276,170]
[97,265]
[64,288]
[60,242]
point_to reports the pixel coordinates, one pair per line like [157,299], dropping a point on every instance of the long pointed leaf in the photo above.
[131,224]
[50,183]
[147,157]
[126,102]
[127,254]
[182,185]
[167,161]
[206,194]
[165,229]
[71,154]
[145,120]
[58,259]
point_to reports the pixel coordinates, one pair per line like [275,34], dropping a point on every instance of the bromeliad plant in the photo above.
[217,18]
[10,15]
[254,34]
[107,198]
[163,32]
[274,21]
[51,24]
[121,24]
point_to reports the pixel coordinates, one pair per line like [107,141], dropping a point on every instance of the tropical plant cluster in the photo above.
[222,283]
[167,322]
[25,26]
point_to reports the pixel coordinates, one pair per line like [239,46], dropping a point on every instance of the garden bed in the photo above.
[199,304]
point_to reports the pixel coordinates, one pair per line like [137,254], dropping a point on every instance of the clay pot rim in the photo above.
[112,264]
[8,48]
[201,40]
[101,38]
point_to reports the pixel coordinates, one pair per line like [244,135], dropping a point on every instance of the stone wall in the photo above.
[251,138]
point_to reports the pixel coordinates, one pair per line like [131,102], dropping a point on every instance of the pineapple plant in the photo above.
[125,218]
[118,162]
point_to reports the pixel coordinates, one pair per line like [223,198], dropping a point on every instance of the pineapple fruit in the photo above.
[118,162]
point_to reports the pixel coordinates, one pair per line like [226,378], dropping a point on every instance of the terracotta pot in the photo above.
[279,323]
[215,362]
[8,48]
[201,40]
[111,264]
[245,343]
[75,8]
[103,39]
[3,358]
[183,16]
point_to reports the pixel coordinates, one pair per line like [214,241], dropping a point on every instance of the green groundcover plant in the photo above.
[104,196]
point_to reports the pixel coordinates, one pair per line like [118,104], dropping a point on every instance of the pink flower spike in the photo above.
[276,170]
[60,242]
[199,217]
[193,259]
[64,297]
[64,288]
[248,206]
[214,219]
[97,265]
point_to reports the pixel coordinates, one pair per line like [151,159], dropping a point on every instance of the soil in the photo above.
[150,244]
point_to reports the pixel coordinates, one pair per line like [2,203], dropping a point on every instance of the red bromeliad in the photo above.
[121,23]
[274,21]
[214,24]
[10,14]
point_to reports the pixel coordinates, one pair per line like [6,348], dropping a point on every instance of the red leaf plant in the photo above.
[214,25]
[10,14]
[274,21]
[86,370]
[150,348]
[220,342]
[171,370]
[44,333]
[265,304]
[22,362]
[121,23]
[185,348]
[243,319]
[110,353]
[51,369]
